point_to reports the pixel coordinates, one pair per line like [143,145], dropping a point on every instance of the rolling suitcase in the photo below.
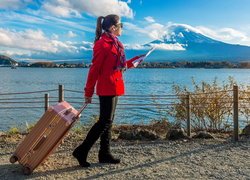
[45,136]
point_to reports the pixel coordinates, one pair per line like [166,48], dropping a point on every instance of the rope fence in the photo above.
[189,102]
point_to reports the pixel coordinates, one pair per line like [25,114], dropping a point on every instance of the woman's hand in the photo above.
[88,100]
[135,61]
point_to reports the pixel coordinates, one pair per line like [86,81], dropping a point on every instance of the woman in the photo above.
[108,65]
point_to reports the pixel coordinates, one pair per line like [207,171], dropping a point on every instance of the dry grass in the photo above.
[211,105]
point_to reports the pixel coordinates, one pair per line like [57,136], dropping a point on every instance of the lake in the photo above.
[140,83]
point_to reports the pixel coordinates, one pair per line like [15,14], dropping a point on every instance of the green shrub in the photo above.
[211,104]
[13,131]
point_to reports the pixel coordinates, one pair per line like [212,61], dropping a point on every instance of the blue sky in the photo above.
[64,29]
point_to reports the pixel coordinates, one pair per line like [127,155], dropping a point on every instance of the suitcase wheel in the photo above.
[13,159]
[27,170]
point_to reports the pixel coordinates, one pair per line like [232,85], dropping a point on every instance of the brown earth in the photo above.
[219,158]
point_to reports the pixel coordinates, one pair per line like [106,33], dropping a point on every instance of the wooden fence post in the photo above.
[60,93]
[188,115]
[46,102]
[236,112]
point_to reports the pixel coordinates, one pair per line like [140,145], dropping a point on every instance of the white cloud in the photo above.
[228,35]
[71,34]
[34,44]
[67,24]
[149,19]
[14,52]
[31,40]
[154,30]
[188,27]
[42,18]
[135,28]
[13,16]
[74,8]
[87,46]
[61,10]
[5,39]
[55,36]
[103,7]
[161,46]
[13,4]
[135,46]
[171,47]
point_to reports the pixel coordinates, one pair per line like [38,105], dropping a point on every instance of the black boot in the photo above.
[108,158]
[104,154]
[81,152]
[81,155]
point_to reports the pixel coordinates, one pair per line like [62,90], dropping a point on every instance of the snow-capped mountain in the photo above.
[182,42]
[179,42]
[184,34]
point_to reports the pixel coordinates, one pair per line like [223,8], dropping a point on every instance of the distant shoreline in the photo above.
[166,65]
[8,62]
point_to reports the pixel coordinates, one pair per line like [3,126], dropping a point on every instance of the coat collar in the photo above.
[117,49]
[106,38]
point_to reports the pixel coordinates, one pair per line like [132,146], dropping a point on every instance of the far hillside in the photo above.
[6,61]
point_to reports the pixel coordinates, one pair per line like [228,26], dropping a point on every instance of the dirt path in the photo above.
[161,159]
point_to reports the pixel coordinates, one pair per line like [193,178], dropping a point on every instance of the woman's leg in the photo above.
[104,122]
[104,153]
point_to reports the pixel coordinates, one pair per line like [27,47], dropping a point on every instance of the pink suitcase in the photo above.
[45,136]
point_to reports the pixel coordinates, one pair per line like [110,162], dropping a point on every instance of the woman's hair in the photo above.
[107,22]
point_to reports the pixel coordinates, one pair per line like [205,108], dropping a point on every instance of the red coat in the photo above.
[102,74]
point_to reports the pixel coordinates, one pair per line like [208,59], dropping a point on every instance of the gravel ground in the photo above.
[161,159]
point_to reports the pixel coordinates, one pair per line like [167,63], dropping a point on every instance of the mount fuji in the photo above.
[182,42]
[179,42]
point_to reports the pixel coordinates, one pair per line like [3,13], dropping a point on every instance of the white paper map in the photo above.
[149,52]
[136,62]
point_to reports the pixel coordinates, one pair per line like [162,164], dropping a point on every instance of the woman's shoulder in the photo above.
[101,43]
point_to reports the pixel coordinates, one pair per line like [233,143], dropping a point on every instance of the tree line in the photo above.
[4,60]
[187,64]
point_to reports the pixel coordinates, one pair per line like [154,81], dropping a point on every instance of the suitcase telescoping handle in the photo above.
[80,111]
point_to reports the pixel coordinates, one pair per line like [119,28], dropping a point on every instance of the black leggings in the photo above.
[102,128]
[107,108]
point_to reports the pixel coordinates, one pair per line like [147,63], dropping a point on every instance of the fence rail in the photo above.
[170,101]
[32,92]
